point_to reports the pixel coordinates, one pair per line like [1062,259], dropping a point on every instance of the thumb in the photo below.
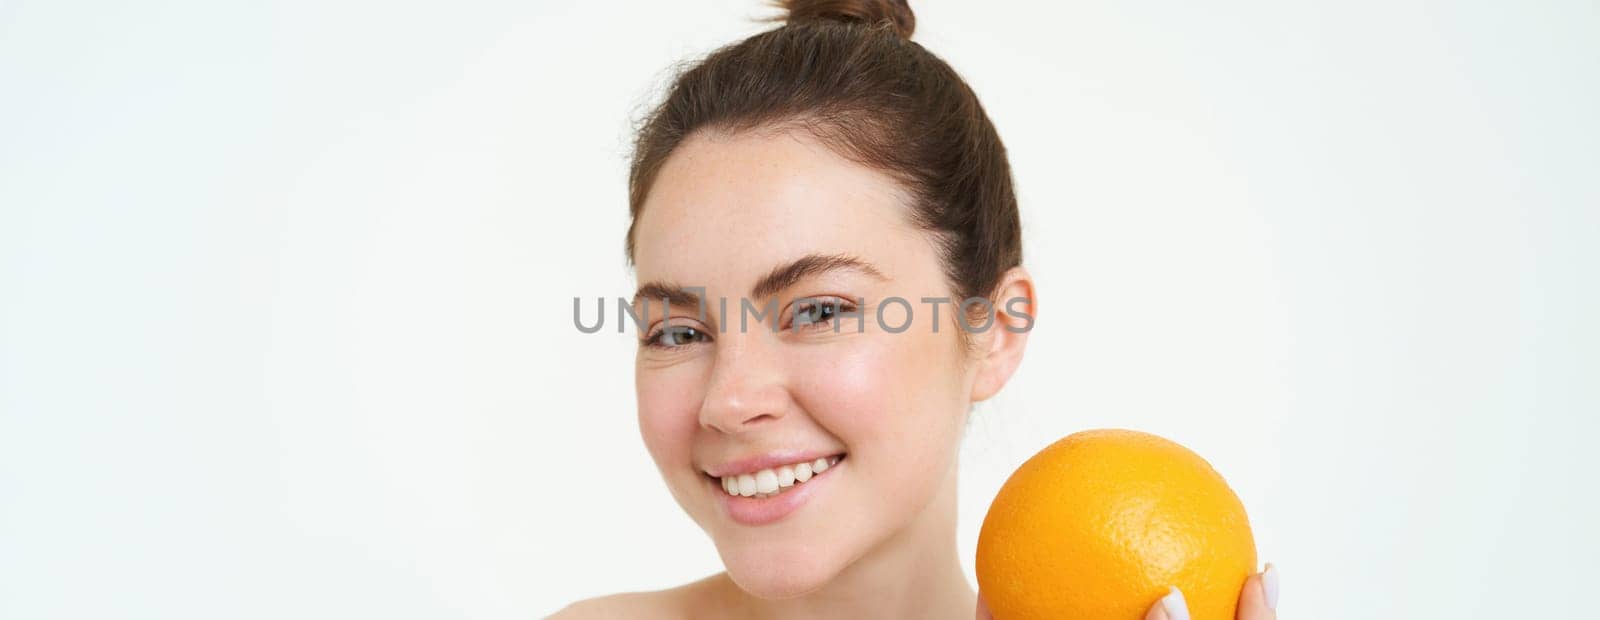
[983,609]
[1259,596]
[1170,607]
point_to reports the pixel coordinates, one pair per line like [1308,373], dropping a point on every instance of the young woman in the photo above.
[815,204]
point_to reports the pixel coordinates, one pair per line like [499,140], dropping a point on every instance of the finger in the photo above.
[1170,607]
[1258,599]
[983,609]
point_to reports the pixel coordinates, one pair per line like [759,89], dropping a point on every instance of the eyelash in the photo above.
[654,339]
[839,306]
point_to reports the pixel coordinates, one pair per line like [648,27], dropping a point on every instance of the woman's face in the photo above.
[768,217]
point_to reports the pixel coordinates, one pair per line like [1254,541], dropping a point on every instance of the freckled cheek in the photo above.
[867,391]
[668,416]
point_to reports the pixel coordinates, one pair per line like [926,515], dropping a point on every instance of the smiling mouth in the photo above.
[774,481]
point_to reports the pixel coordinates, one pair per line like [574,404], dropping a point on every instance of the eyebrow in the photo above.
[675,294]
[788,274]
[778,279]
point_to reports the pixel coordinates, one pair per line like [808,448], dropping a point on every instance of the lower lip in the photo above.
[765,510]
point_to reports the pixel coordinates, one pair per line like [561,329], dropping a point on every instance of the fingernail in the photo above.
[1177,608]
[1269,585]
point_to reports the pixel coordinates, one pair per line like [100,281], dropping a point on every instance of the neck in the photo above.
[915,574]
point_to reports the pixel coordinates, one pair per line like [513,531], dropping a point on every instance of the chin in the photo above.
[782,570]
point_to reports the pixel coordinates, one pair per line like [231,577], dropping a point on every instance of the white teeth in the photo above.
[766,481]
[770,482]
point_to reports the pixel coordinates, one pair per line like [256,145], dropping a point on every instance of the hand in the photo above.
[1257,601]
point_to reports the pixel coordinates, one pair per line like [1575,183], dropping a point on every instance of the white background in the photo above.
[285,293]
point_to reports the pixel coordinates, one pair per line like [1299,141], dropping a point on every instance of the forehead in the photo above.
[726,207]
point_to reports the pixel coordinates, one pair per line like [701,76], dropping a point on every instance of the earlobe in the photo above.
[1015,309]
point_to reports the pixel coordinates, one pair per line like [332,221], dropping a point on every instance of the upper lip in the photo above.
[768,460]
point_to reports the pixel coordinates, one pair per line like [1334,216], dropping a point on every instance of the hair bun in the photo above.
[896,12]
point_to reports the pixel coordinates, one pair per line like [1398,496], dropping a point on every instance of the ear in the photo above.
[1001,346]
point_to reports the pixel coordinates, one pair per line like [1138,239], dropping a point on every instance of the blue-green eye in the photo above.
[673,336]
[818,313]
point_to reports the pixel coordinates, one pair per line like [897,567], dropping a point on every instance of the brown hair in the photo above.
[847,72]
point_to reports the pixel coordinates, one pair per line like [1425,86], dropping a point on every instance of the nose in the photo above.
[747,389]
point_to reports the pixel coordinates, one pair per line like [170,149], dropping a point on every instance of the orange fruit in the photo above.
[1099,524]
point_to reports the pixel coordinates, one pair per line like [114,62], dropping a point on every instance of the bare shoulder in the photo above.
[684,601]
[624,605]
